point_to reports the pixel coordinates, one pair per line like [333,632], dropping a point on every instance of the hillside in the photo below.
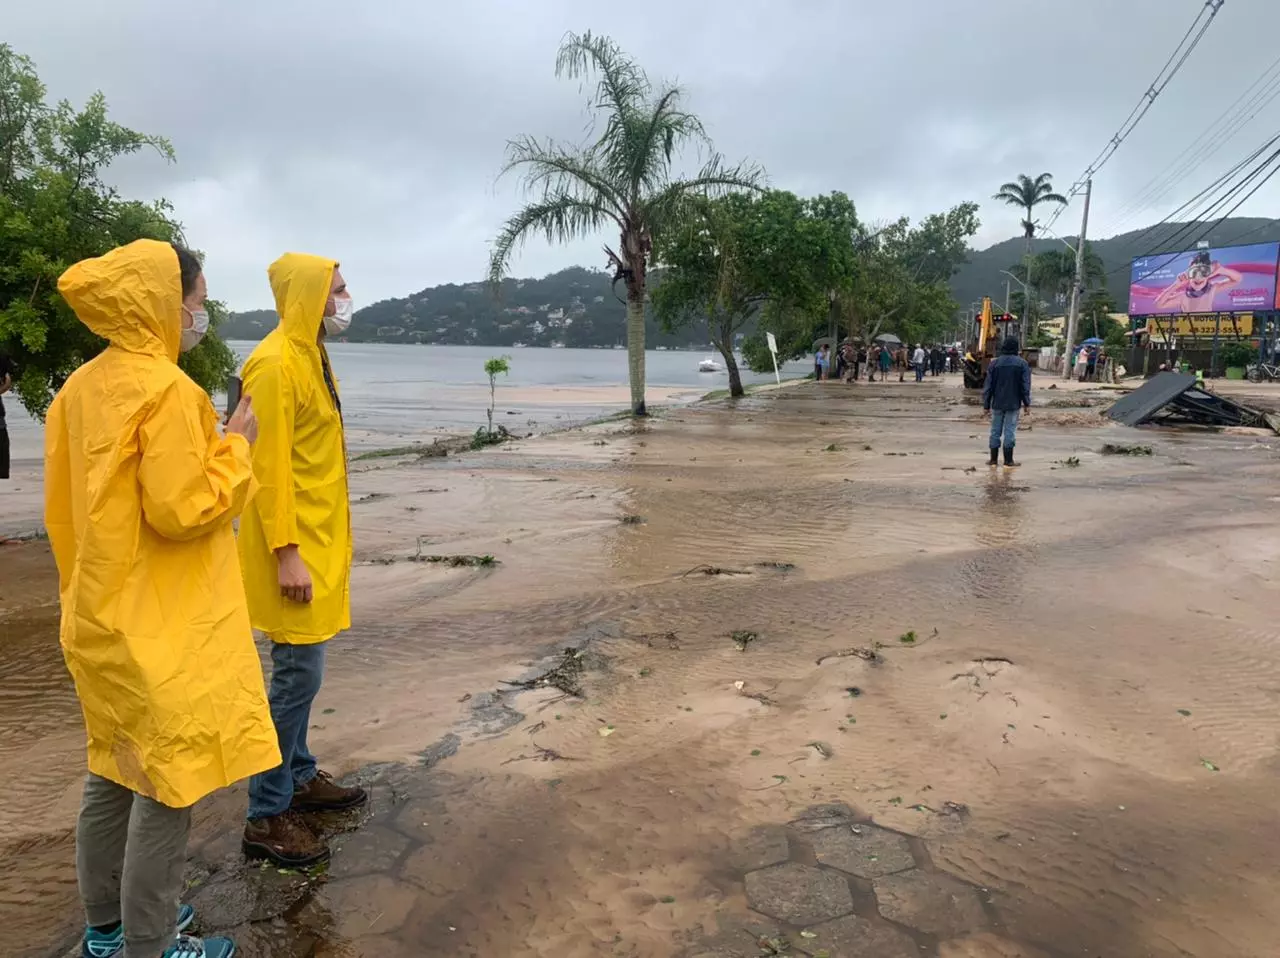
[981,276]
[576,307]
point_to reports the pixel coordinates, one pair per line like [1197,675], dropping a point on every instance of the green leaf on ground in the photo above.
[1209,765]
[328,711]
[667,900]
[755,752]
[942,715]
[896,800]
[1184,712]
[907,638]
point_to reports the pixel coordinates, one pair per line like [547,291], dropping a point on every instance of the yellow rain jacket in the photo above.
[140,491]
[300,461]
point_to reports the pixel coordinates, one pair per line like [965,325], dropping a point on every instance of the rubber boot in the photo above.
[1008,458]
[995,456]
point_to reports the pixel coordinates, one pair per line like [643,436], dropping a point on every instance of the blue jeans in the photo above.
[1004,422]
[919,372]
[296,674]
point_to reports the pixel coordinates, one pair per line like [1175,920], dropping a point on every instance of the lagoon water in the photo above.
[395,393]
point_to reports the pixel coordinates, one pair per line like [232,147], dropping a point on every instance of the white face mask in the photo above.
[343,310]
[199,326]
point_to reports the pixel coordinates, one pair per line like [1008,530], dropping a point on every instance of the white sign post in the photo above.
[773,351]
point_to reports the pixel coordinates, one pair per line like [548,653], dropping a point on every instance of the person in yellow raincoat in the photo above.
[140,494]
[295,545]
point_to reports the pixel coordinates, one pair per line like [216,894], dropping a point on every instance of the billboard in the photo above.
[1202,327]
[1229,279]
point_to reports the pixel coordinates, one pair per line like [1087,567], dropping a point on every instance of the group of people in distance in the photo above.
[160,596]
[883,358]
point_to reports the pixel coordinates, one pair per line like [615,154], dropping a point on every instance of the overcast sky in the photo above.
[373,132]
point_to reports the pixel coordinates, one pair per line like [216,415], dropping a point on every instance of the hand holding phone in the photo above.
[234,388]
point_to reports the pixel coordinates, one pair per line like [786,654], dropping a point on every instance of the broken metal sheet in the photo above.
[1144,402]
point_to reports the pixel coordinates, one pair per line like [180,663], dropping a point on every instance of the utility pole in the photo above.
[1074,315]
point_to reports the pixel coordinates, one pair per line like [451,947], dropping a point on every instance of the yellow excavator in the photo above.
[985,345]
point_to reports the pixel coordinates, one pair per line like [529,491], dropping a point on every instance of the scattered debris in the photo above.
[821,748]
[853,692]
[672,639]
[1209,765]
[776,566]
[565,675]
[1070,462]
[779,947]
[742,638]
[630,520]
[1122,449]
[605,731]
[667,900]
[833,448]
[860,651]
[713,570]
[1176,398]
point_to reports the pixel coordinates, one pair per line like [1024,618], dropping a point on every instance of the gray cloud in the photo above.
[374,135]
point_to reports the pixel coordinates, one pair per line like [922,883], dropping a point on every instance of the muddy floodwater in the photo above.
[798,675]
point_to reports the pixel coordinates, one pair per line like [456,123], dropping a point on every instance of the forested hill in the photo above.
[574,307]
[981,276]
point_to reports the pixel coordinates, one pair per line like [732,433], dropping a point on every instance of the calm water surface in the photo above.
[404,392]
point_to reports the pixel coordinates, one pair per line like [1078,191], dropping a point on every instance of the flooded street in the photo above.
[1048,698]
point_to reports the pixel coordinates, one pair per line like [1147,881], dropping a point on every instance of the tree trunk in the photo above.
[635,349]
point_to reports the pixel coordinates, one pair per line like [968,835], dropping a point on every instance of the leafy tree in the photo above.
[733,257]
[623,179]
[896,281]
[55,209]
[493,368]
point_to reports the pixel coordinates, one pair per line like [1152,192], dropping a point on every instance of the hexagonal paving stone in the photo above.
[760,848]
[800,894]
[854,937]
[934,903]
[863,850]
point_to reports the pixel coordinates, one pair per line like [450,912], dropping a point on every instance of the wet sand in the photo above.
[1093,682]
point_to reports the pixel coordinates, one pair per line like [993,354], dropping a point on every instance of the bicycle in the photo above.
[1258,372]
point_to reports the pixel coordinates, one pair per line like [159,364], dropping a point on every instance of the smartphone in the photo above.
[234,387]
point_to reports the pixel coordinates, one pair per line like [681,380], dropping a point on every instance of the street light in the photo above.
[1026,292]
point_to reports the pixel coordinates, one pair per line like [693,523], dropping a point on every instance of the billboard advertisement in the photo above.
[1229,279]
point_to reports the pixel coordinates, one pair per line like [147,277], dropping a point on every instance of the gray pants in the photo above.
[130,854]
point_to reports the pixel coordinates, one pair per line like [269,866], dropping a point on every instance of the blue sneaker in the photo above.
[99,945]
[188,947]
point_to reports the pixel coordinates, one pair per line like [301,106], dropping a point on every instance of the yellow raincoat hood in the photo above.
[131,297]
[300,462]
[140,491]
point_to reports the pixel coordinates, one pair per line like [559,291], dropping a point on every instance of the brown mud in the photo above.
[1081,731]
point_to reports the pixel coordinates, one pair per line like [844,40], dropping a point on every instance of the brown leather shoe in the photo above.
[323,794]
[283,840]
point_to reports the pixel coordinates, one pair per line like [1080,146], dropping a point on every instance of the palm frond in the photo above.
[559,216]
[622,87]
[652,141]
[556,169]
[1052,197]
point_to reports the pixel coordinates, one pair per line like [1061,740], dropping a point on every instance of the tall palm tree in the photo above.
[623,179]
[1027,193]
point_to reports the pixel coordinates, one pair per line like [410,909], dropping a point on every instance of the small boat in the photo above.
[710,366]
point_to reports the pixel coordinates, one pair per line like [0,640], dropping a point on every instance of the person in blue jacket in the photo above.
[1006,393]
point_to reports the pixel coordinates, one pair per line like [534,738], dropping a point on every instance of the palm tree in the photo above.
[1028,194]
[623,179]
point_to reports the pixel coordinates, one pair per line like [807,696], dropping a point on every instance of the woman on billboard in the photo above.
[1193,291]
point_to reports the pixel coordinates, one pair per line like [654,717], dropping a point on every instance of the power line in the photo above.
[1167,72]
[1211,211]
[1224,128]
